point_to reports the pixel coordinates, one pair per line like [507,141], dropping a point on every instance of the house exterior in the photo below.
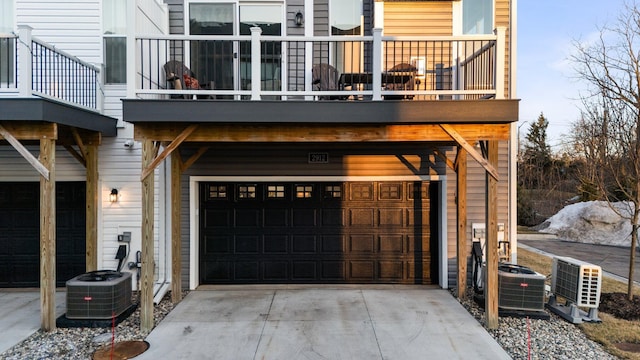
[292,141]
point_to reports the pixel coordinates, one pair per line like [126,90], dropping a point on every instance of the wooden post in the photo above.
[176,199]
[148,263]
[491,283]
[461,169]
[48,237]
[91,254]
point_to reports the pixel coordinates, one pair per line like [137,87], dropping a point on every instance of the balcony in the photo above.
[346,68]
[31,68]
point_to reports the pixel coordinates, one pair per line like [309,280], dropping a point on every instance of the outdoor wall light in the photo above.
[299,18]
[113,197]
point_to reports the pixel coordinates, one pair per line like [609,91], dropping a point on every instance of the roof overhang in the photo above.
[45,110]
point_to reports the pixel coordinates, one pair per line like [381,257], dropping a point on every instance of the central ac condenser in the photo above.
[520,288]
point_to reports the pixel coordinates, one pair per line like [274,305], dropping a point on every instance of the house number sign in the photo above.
[318,158]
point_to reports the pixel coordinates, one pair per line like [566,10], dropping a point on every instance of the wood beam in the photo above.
[176,255]
[48,236]
[168,150]
[78,140]
[42,169]
[455,135]
[92,205]
[491,279]
[30,130]
[187,164]
[76,155]
[461,203]
[148,262]
[445,159]
[212,132]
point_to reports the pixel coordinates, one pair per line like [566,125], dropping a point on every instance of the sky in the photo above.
[546,81]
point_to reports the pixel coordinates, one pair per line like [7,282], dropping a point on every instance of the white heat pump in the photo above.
[576,281]
[579,283]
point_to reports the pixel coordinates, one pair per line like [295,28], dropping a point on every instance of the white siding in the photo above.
[71,25]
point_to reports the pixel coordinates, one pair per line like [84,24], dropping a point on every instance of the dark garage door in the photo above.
[353,232]
[20,233]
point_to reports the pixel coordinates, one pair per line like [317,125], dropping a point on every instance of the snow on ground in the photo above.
[592,222]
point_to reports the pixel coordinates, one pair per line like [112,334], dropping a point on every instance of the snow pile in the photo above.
[592,222]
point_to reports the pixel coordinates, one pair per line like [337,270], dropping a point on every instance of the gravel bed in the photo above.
[81,343]
[549,339]
[555,338]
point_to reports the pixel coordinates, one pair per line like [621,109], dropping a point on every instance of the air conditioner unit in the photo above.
[102,294]
[520,288]
[579,283]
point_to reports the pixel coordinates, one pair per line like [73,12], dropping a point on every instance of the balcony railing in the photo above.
[374,67]
[29,67]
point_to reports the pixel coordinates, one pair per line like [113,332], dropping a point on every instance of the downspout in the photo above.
[513,138]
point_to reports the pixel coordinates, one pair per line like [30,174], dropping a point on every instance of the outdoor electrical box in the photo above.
[478,233]
[125,237]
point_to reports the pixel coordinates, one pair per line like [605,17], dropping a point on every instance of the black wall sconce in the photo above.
[299,18]
[113,197]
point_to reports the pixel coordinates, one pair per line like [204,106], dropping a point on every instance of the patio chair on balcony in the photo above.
[179,77]
[325,78]
[405,79]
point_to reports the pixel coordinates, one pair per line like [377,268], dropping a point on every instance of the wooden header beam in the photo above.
[321,133]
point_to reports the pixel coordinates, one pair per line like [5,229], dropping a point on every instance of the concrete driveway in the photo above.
[20,314]
[344,322]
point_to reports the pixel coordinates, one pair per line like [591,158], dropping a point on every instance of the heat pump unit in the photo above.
[520,288]
[579,283]
[576,281]
[98,295]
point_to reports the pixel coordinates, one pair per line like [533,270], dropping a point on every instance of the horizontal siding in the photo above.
[503,12]
[418,18]
[13,167]
[152,18]
[73,25]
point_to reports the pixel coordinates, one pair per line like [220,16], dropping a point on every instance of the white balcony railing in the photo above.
[373,68]
[29,67]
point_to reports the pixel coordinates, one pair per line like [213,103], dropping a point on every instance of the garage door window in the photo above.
[333,192]
[246,191]
[304,191]
[390,191]
[275,191]
[362,191]
[217,192]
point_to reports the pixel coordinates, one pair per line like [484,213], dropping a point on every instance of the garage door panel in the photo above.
[361,217]
[304,217]
[305,270]
[217,218]
[247,244]
[304,244]
[333,243]
[418,217]
[276,270]
[247,218]
[333,270]
[391,270]
[247,271]
[420,244]
[391,243]
[276,244]
[419,272]
[360,270]
[390,217]
[276,217]
[332,217]
[361,243]
[218,244]
[217,270]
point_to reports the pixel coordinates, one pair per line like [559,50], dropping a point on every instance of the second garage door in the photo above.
[317,232]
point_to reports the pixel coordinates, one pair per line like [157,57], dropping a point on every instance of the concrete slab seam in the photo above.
[264,324]
[373,328]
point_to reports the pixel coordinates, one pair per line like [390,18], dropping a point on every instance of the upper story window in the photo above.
[346,17]
[6,16]
[7,45]
[115,41]
[477,16]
